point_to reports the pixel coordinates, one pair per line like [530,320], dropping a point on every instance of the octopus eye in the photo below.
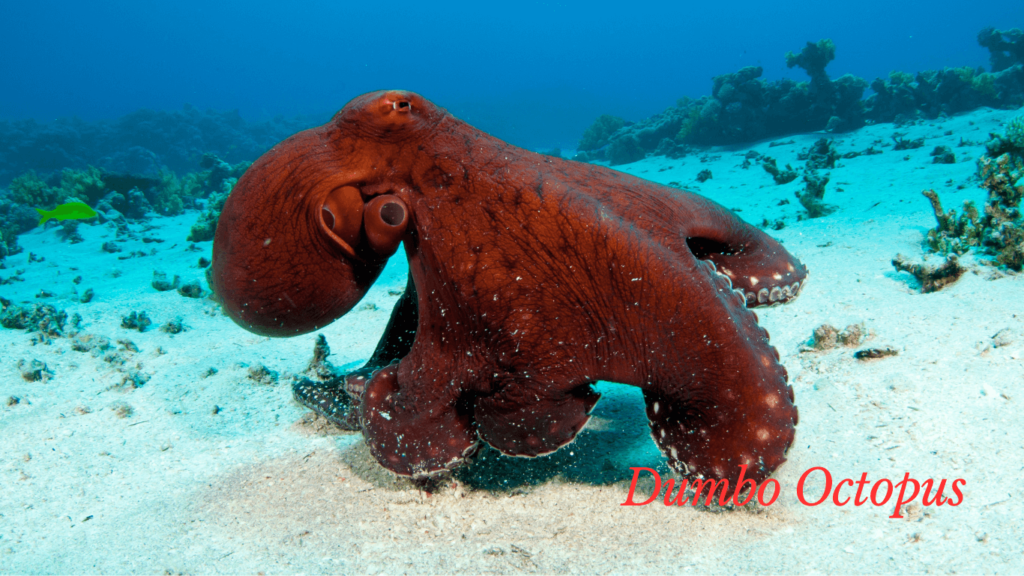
[384,222]
[402,106]
[392,213]
[328,217]
[342,217]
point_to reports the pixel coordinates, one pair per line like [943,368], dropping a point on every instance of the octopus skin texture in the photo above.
[530,279]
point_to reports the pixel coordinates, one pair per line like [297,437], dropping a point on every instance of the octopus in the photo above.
[531,278]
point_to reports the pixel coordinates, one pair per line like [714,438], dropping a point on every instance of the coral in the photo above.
[1006,47]
[1015,132]
[998,229]
[191,290]
[671,149]
[780,176]
[69,232]
[821,155]
[91,343]
[931,276]
[30,190]
[260,374]
[943,155]
[222,178]
[813,59]
[161,284]
[136,321]
[811,197]
[875,353]
[85,185]
[954,234]
[82,185]
[42,318]
[826,336]
[901,143]
[704,175]
[624,150]
[174,327]
[688,123]
[34,371]
[598,134]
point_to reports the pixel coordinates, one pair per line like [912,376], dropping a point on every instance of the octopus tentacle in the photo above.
[338,399]
[731,407]
[550,420]
[411,437]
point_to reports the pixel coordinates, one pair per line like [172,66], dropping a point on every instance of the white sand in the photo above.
[257,487]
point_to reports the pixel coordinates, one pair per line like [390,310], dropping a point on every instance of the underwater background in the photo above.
[142,431]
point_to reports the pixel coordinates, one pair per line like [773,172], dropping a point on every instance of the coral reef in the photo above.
[933,277]
[144,142]
[117,197]
[743,107]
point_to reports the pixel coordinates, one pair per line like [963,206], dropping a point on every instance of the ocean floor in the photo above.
[185,452]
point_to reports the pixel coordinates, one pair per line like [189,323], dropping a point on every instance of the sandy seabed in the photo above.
[198,472]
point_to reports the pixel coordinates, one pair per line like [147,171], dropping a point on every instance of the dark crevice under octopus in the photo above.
[530,279]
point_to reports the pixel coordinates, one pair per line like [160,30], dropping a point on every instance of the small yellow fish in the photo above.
[69,211]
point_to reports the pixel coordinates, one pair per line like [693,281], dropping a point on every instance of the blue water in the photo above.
[535,74]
